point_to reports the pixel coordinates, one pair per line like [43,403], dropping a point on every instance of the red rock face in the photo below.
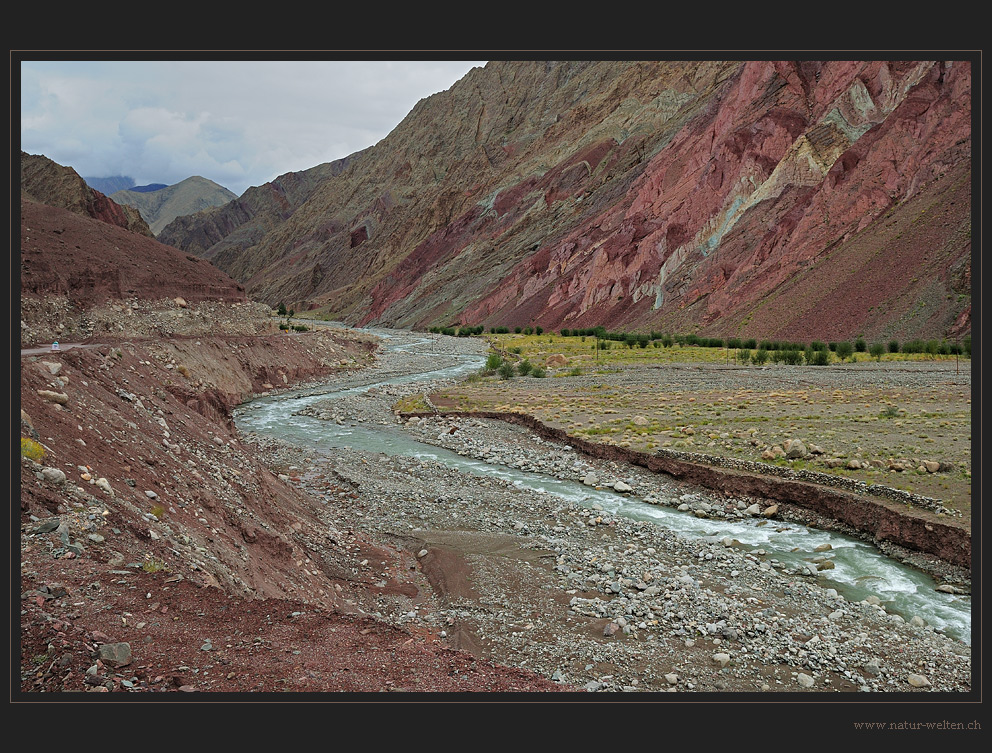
[88,261]
[785,190]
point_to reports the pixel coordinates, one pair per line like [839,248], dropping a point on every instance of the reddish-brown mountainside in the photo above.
[50,183]
[82,275]
[65,254]
[806,199]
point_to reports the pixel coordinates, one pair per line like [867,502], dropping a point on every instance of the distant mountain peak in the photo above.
[159,205]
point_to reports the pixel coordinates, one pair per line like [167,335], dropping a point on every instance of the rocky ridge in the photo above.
[811,199]
[189,196]
[47,182]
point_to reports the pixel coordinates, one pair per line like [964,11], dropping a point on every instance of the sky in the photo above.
[237,123]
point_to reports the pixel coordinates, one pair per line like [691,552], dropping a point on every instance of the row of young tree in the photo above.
[843,349]
[470,331]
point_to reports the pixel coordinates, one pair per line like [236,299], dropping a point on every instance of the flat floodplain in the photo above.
[902,421]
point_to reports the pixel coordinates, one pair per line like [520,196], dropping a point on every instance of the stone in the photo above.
[621,486]
[918,681]
[794,448]
[805,680]
[931,466]
[60,398]
[115,654]
[54,475]
[770,511]
[53,367]
[722,659]
[590,479]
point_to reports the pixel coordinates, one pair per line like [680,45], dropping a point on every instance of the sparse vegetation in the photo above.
[416,403]
[153,565]
[31,449]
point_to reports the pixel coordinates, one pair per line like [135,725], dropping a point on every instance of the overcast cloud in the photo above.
[238,123]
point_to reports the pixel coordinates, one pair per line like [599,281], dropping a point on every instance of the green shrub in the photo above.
[494,361]
[31,449]
[893,346]
[153,565]
[524,367]
[860,345]
[538,373]
[760,356]
[876,351]
[817,357]
[844,350]
[743,355]
[506,370]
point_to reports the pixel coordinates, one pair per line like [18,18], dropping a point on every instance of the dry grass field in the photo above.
[902,421]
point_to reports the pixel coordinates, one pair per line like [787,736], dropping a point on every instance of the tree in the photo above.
[282,309]
[877,349]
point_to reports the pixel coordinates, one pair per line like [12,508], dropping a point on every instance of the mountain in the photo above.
[111,184]
[47,182]
[88,261]
[160,205]
[780,199]
[82,262]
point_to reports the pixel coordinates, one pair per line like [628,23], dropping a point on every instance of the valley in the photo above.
[501,587]
[394,424]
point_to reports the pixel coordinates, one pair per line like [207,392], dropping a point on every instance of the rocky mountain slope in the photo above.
[47,182]
[75,271]
[159,208]
[800,199]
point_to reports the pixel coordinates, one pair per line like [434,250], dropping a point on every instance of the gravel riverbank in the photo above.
[589,599]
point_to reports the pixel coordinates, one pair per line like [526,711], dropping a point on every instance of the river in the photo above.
[860,569]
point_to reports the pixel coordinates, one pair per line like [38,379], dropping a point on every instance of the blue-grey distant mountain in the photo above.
[161,206]
[107,186]
[149,188]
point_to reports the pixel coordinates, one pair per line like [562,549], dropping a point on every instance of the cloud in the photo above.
[238,123]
